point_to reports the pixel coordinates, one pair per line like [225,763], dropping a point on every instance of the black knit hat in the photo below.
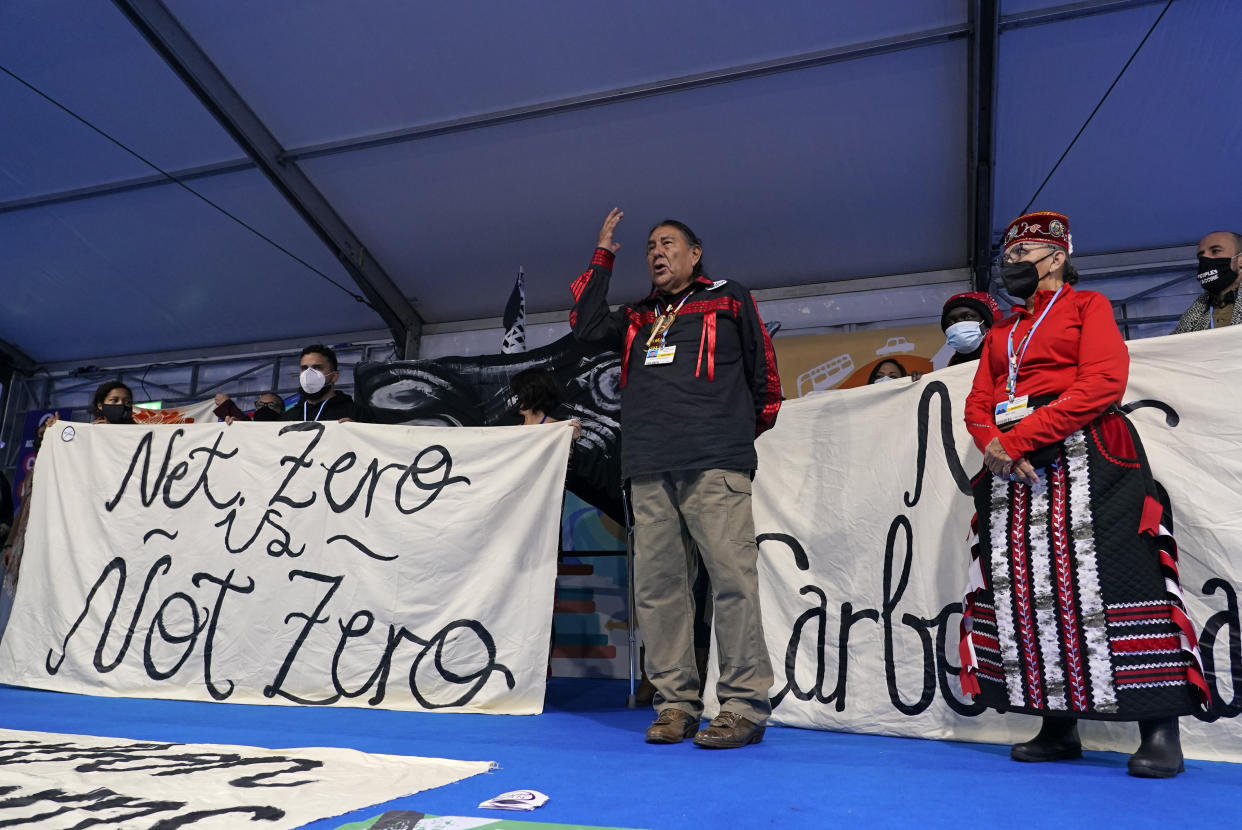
[980,302]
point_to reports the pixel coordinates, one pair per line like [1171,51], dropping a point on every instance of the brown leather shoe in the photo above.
[672,726]
[729,730]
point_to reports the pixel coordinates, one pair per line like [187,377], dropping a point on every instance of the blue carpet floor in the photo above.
[586,752]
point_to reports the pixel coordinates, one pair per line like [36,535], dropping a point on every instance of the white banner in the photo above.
[347,564]
[62,782]
[863,531]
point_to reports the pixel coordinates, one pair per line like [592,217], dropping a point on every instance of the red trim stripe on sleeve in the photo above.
[767,415]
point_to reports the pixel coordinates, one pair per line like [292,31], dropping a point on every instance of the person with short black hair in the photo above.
[537,392]
[1220,263]
[698,385]
[321,400]
[268,406]
[113,403]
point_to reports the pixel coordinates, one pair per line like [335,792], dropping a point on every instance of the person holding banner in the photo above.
[318,373]
[1220,264]
[965,320]
[1073,608]
[113,403]
[699,384]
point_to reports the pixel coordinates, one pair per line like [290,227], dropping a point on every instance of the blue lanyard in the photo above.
[317,414]
[1015,360]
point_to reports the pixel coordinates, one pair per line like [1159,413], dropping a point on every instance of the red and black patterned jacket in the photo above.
[704,410]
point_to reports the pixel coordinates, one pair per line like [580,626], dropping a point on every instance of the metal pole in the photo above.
[631,700]
[983,49]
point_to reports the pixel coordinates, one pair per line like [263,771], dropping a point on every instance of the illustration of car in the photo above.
[826,375]
[894,346]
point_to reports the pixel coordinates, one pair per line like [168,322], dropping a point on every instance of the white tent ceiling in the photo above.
[455,142]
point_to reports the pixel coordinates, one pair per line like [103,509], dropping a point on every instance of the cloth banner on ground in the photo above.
[58,782]
[862,520]
[307,563]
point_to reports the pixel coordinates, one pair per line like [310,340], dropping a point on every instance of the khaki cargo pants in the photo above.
[672,511]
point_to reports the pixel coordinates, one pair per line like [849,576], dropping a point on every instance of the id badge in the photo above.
[1008,412]
[660,356]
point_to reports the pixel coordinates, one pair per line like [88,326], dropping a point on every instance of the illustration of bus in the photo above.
[826,375]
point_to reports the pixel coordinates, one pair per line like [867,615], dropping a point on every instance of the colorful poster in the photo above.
[26,455]
[818,362]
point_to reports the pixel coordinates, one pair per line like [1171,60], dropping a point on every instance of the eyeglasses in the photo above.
[1019,252]
[268,404]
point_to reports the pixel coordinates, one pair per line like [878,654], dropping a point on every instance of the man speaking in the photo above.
[699,384]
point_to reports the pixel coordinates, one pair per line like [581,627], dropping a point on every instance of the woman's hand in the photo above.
[996,459]
[999,463]
[1025,473]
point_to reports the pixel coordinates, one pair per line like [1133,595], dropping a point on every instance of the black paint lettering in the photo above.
[226,585]
[190,637]
[369,480]
[478,678]
[892,596]
[312,619]
[298,462]
[143,452]
[1227,618]
[117,565]
[937,388]
[213,452]
[415,472]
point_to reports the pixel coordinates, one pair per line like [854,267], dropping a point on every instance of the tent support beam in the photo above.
[16,358]
[1070,11]
[985,35]
[173,43]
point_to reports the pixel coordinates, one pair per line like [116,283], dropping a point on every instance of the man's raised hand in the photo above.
[605,232]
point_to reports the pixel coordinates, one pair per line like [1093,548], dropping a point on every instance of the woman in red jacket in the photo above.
[1073,609]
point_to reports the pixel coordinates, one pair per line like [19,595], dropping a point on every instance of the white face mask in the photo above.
[964,337]
[313,381]
[883,379]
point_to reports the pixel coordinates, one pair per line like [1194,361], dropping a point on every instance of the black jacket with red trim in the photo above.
[703,410]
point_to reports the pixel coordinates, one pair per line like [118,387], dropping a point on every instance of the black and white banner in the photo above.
[863,536]
[307,563]
[63,782]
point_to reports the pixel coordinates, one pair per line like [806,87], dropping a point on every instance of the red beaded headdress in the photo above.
[1045,227]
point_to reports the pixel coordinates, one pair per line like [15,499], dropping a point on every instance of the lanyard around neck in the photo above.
[317,414]
[664,321]
[1015,358]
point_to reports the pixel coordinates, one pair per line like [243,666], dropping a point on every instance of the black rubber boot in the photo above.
[1057,741]
[1160,753]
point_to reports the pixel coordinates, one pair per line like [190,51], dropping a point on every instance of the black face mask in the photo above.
[266,413]
[1022,278]
[1215,275]
[117,413]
